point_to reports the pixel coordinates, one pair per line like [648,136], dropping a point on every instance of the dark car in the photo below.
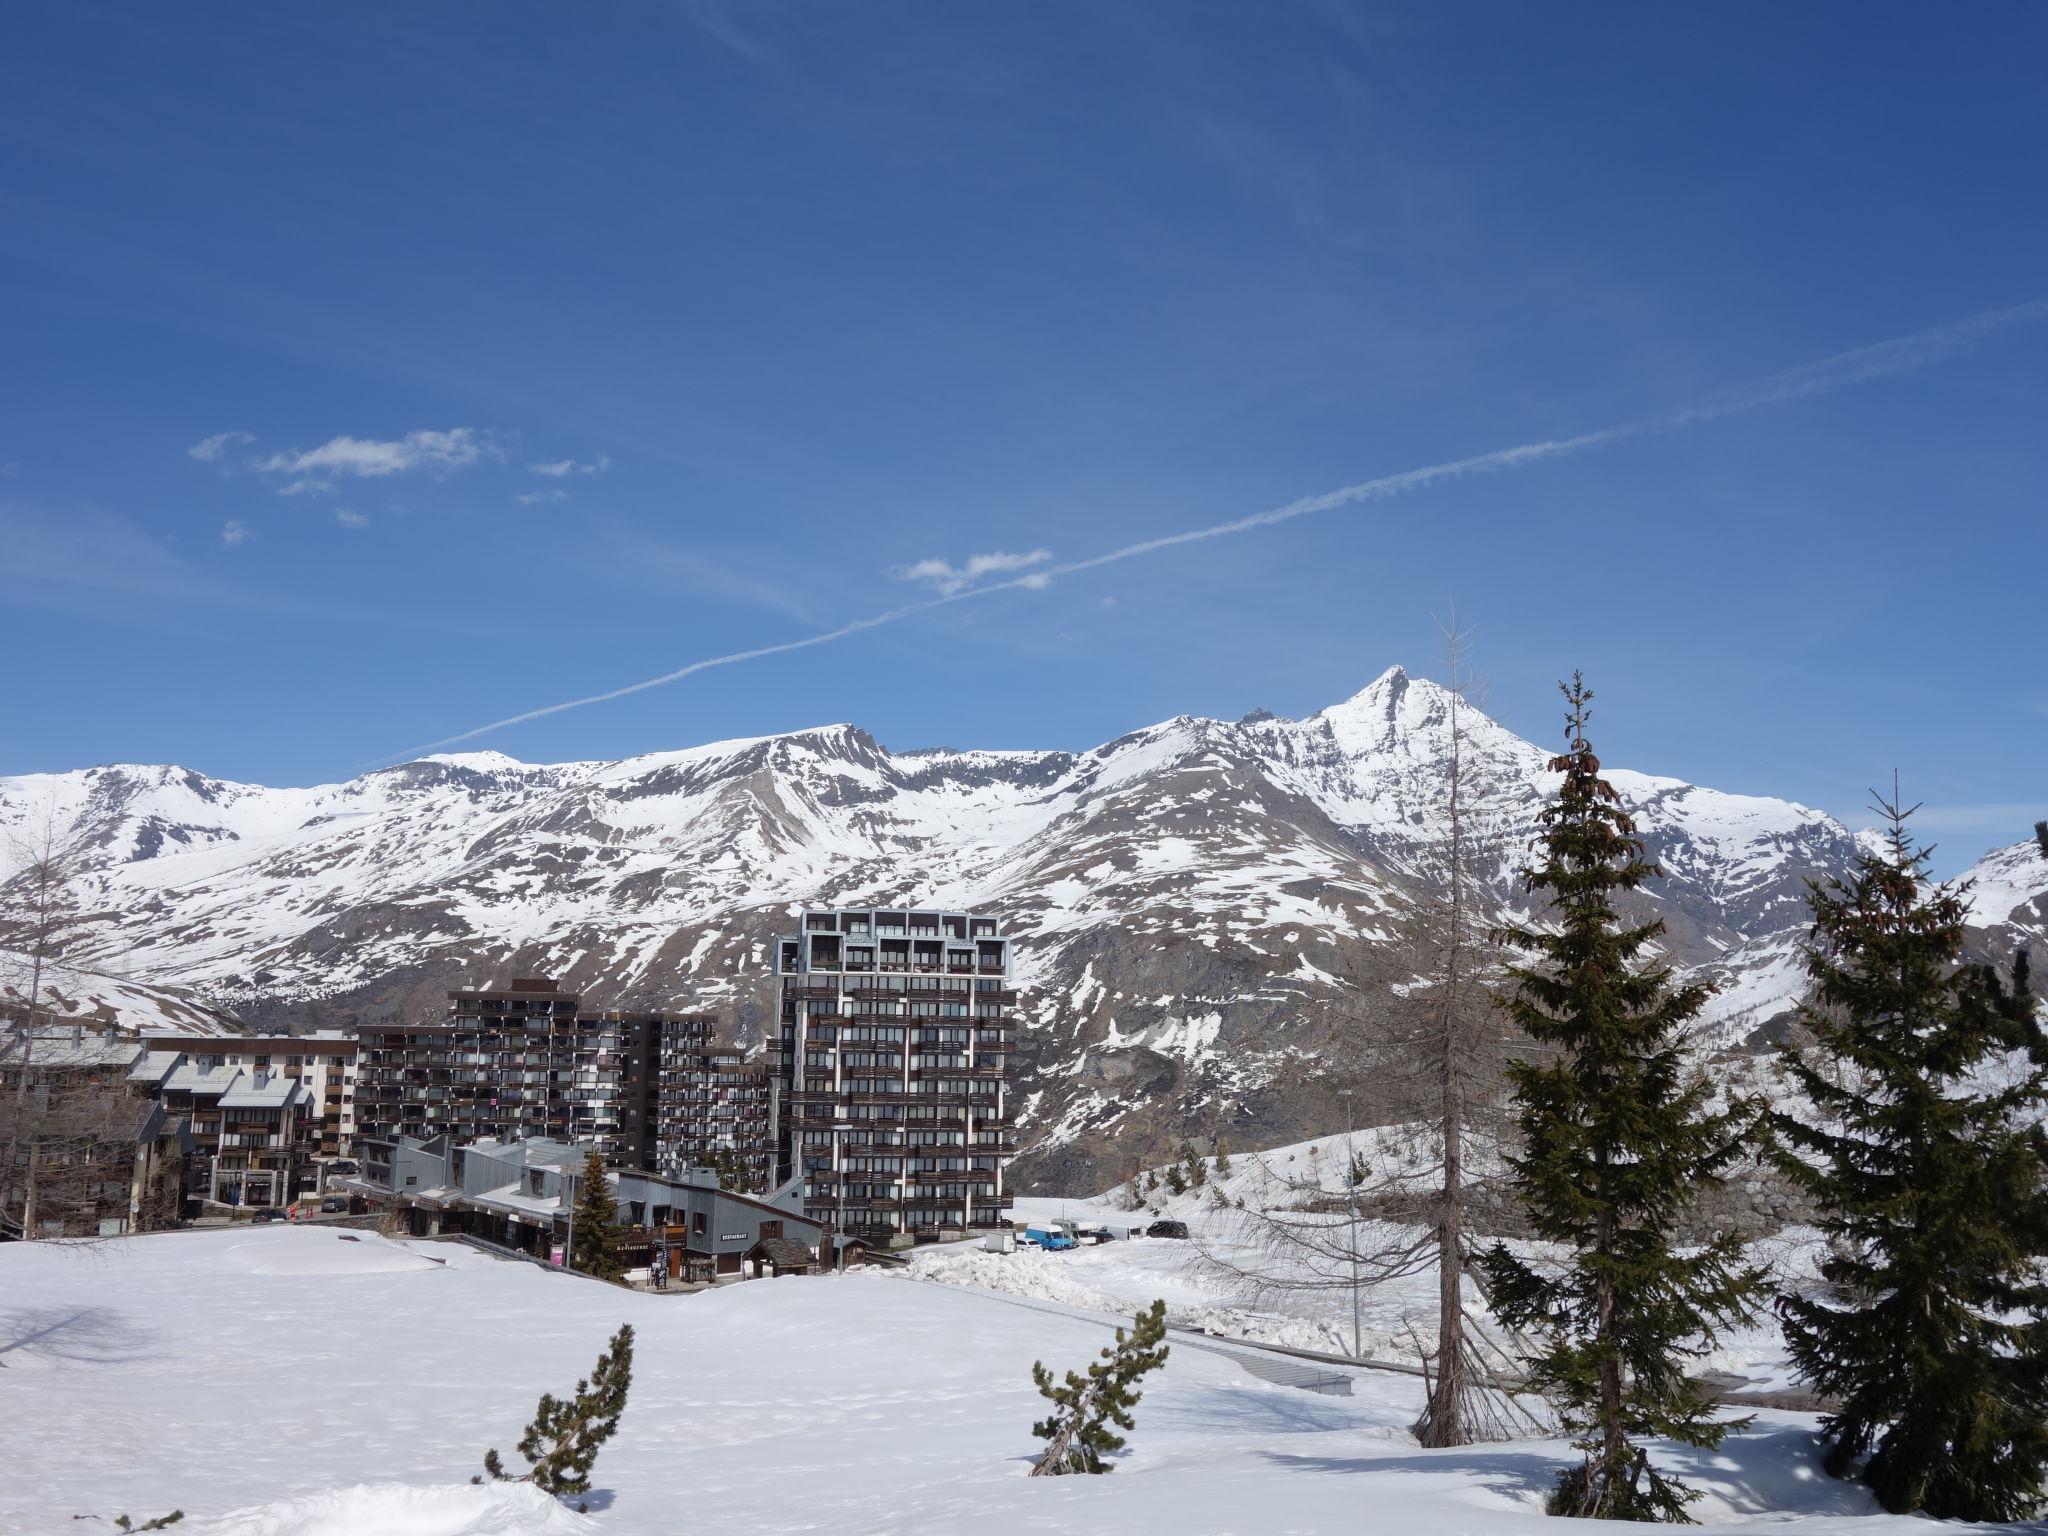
[333,1205]
[271,1213]
[1167,1229]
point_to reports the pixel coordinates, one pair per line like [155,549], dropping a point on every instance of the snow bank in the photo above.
[393,1509]
[307,1251]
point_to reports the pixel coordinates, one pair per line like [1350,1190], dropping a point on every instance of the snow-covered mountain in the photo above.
[1184,895]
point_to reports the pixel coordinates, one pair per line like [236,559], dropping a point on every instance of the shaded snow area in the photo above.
[292,1382]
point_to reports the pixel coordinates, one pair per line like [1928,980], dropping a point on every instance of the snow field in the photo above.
[270,1388]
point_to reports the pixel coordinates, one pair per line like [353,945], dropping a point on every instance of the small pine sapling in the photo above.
[1077,1432]
[1222,1159]
[1176,1181]
[562,1442]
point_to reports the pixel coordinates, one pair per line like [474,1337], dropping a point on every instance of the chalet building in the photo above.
[522,1194]
[85,1157]
[253,1133]
[505,1064]
[893,1058]
[324,1061]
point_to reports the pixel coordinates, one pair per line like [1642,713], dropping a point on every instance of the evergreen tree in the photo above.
[1616,1145]
[1176,1181]
[1926,1078]
[562,1442]
[1222,1159]
[1077,1432]
[600,1247]
[2041,837]
[1197,1170]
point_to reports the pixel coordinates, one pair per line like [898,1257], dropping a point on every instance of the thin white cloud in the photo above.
[540,498]
[1885,359]
[349,518]
[945,578]
[9,470]
[372,458]
[210,450]
[306,488]
[562,469]
[234,531]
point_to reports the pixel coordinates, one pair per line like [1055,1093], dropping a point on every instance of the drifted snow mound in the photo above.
[323,1251]
[395,1509]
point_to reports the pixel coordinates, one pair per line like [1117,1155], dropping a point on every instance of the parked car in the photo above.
[271,1213]
[344,1165]
[1167,1229]
[1052,1239]
[334,1205]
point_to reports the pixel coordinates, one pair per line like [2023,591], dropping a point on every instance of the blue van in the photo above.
[1050,1238]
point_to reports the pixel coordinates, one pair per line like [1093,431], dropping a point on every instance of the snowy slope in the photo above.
[135,1384]
[1184,895]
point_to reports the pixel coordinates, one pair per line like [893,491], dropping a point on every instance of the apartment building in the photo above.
[325,1062]
[893,1058]
[711,1108]
[84,1156]
[505,1063]
[252,1133]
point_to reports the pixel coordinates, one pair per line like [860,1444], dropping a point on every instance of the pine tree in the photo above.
[1222,1159]
[562,1442]
[2041,837]
[1616,1145]
[1077,1432]
[1197,1171]
[1926,1078]
[600,1247]
[1176,1181]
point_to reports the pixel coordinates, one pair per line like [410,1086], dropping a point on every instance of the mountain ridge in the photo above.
[1182,895]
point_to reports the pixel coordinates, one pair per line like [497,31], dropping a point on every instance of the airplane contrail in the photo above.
[1884,359]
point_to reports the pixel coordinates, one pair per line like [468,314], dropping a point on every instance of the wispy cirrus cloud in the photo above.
[946,578]
[348,517]
[562,469]
[211,450]
[234,531]
[540,498]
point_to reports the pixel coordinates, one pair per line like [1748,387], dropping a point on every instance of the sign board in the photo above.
[732,1237]
[555,1254]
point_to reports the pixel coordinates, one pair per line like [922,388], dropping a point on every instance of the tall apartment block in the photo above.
[710,1107]
[893,1054]
[505,1063]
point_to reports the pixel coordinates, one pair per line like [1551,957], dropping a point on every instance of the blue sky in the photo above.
[809,305]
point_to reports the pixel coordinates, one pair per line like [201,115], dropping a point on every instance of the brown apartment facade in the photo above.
[656,1091]
[896,1028]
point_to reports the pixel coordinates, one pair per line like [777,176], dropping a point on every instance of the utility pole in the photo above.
[1351,1190]
[569,1194]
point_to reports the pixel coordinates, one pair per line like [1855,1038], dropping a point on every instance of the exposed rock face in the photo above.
[1183,895]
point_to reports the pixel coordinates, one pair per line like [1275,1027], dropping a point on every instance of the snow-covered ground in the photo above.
[1228,1280]
[305,1382]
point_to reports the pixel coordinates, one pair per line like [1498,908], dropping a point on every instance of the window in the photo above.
[771,1229]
